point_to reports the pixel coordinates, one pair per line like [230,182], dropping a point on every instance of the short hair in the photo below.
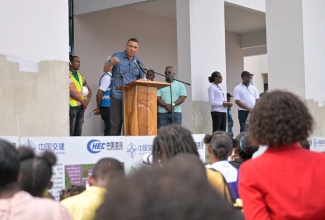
[213,76]
[172,140]
[279,118]
[107,168]
[133,40]
[71,58]
[163,196]
[150,70]
[221,145]
[9,164]
[244,147]
[36,170]
[168,67]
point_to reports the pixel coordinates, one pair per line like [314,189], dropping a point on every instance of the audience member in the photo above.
[32,168]
[17,204]
[287,181]
[170,99]
[218,102]
[84,205]
[178,190]
[173,140]
[124,70]
[243,150]
[245,95]
[80,95]
[220,149]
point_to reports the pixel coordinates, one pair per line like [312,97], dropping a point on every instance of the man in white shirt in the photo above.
[245,96]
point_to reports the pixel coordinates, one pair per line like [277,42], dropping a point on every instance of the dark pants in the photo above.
[219,120]
[165,119]
[105,113]
[76,120]
[116,117]
[242,116]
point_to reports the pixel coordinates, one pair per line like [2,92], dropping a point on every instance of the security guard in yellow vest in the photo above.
[78,97]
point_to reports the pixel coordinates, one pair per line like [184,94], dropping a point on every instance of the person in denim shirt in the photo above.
[124,70]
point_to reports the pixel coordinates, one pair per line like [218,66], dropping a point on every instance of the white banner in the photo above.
[78,155]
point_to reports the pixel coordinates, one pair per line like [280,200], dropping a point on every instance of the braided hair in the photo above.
[172,140]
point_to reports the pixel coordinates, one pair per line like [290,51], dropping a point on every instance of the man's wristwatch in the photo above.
[173,104]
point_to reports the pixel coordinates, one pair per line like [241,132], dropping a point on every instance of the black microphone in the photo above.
[137,62]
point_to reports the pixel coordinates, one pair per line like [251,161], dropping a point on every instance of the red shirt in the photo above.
[286,182]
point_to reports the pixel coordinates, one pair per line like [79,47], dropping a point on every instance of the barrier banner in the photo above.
[77,155]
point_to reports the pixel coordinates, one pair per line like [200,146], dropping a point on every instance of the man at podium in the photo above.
[124,67]
[170,99]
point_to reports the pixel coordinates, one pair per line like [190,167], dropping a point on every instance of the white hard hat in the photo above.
[85,90]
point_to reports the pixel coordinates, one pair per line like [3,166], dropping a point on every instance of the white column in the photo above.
[296,51]
[201,50]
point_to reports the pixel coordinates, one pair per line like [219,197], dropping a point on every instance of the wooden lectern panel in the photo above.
[140,107]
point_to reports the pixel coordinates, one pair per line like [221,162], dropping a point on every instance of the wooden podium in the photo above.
[140,107]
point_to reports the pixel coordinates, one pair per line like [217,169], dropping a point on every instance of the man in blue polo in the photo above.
[124,68]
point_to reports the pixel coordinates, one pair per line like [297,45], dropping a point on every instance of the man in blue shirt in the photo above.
[124,70]
[170,101]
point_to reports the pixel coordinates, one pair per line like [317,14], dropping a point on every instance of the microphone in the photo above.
[137,62]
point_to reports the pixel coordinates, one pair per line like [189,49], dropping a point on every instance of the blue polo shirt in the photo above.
[127,66]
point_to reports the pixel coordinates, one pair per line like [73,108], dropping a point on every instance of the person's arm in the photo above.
[76,97]
[110,63]
[160,102]
[238,102]
[242,105]
[86,102]
[99,97]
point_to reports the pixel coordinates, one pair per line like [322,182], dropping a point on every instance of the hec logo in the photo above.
[95,146]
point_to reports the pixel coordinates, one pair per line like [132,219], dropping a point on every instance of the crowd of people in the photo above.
[285,182]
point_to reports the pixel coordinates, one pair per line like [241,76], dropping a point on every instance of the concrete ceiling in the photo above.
[237,19]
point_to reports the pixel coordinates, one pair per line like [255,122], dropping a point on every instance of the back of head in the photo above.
[106,169]
[36,171]
[244,147]
[279,118]
[9,164]
[172,140]
[159,193]
[221,145]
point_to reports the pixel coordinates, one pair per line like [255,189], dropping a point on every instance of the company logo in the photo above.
[30,144]
[95,146]
[131,150]
[315,143]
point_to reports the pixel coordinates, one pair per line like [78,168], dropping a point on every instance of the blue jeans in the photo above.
[76,115]
[242,116]
[165,119]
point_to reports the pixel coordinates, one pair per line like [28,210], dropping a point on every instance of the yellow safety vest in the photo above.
[76,87]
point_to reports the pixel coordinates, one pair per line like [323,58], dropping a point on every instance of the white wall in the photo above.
[34,52]
[101,34]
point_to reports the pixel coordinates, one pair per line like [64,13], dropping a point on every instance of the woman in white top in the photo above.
[218,102]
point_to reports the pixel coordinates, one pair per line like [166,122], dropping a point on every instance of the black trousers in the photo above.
[116,116]
[219,120]
[105,113]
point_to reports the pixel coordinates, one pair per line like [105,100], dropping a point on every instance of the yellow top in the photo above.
[84,205]
[217,182]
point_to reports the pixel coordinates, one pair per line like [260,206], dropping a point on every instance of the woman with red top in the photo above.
[287,181]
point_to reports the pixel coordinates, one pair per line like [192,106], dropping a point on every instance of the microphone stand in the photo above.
[171,92]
